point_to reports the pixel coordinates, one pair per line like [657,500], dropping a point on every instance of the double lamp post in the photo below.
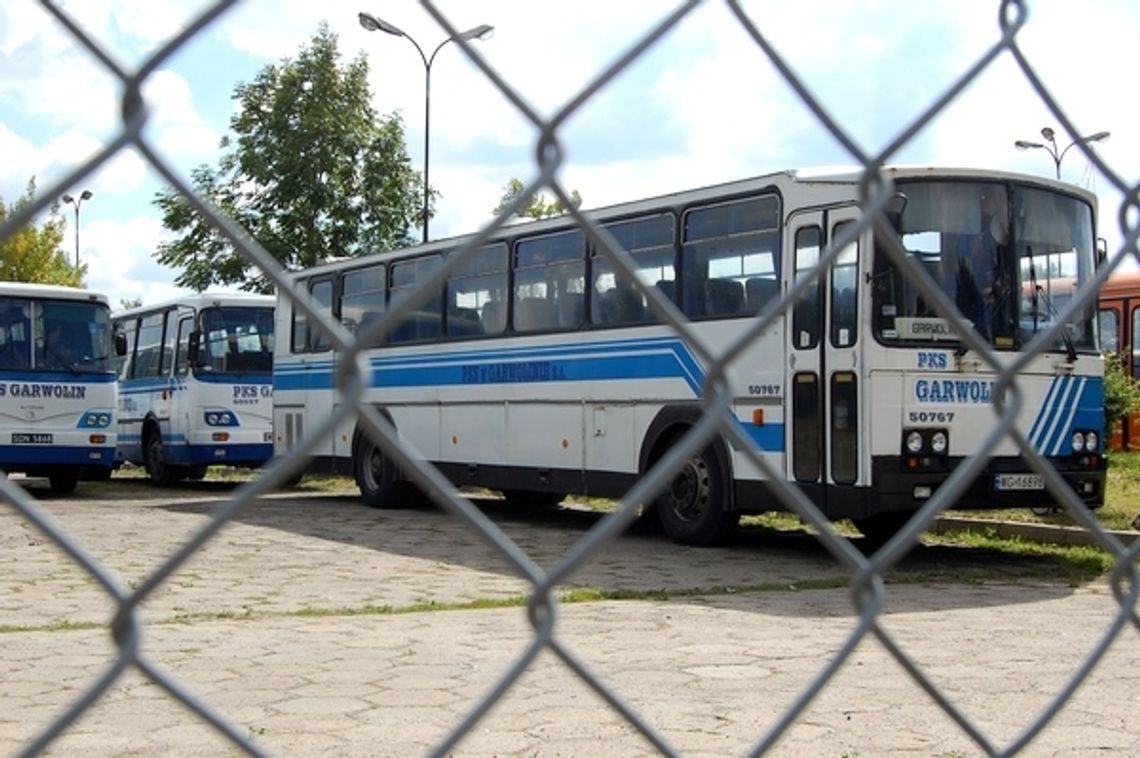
[374,24]
[1050,145]
[85,195]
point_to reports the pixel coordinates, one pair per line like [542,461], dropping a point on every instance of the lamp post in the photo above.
[1051,148]
[85,195]
[374,24]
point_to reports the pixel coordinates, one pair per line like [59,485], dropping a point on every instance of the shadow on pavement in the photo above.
[641,562]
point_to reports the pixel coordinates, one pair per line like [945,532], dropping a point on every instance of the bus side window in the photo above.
[475,290]
[805,313]
[724,245]
[1107,320]
[548,268]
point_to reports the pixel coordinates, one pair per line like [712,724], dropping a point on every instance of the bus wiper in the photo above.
[1066,338]
[64,362]
[1040,294]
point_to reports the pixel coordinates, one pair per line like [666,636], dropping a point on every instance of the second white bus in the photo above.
[195,385]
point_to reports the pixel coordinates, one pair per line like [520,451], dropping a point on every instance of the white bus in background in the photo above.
[57,384]
[195,385]
[539,371]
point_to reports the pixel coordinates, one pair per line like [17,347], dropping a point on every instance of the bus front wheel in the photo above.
[63,484]
[693,509]
[375,475]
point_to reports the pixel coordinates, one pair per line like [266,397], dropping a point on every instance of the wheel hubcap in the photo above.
[688,495]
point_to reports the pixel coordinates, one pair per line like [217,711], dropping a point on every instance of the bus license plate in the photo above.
[1008,482]
[20,438]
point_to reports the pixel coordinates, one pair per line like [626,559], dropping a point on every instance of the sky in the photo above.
[704,105]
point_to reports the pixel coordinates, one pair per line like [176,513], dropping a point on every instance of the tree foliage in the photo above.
[1121,393]
[34,253]
[539,206]
[310,172]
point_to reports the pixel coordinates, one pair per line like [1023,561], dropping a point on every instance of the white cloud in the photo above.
[703,105]
[119,258]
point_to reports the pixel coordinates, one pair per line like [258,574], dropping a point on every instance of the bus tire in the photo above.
[693,509]
[877,530]
[63,484]
[375,475]
[158,470]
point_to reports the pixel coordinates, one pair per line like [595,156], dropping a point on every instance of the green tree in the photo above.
[310,172]
[1121,393]
[129,302]
[35,253]
[539,206]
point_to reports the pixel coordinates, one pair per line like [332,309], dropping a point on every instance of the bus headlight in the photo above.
[1091,441]
[95,420]
[939,441]
[220,418]
[914,441]
[1078,441]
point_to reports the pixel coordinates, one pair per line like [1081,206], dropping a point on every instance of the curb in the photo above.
[1060,535]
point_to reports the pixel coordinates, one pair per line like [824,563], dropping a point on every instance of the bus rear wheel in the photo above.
[375,475]
[693,509]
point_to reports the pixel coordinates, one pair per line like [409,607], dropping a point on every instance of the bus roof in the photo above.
[198,300]
[1122,284]
[844,179]
[51,291]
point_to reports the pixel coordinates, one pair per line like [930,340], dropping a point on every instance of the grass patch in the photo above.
[1121,500]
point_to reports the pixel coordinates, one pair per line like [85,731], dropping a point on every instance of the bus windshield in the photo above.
[1010,257]
[236,340]
[54,335]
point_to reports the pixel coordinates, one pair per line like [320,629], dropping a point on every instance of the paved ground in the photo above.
[268,626]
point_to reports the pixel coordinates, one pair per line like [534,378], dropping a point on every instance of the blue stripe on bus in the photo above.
[635,359]
[658,358]
[1070,403]
[69,377]
[30,455]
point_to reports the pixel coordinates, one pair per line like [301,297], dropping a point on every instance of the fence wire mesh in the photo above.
[866,573]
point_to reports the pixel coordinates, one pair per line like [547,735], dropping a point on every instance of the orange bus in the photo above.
[1118,316]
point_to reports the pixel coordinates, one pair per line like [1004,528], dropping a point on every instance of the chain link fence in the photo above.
[866,573]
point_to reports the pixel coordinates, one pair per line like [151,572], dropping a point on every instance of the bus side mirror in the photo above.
[894,211]
[1101,251]
[194,349]
[120,344]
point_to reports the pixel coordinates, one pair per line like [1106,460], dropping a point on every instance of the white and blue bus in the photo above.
[57,384]
[539,371]
[195,384]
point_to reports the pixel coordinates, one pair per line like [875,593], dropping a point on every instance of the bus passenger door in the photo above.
[823,364]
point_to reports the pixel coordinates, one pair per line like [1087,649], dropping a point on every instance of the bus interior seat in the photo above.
[723,297]
[463,321]
[620,305]
[760,291]
[570,310]
[416,326]
[535,314]
[494,317]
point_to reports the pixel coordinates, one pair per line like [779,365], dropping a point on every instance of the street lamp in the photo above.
[1051,148]
[374,24]
[85,195]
